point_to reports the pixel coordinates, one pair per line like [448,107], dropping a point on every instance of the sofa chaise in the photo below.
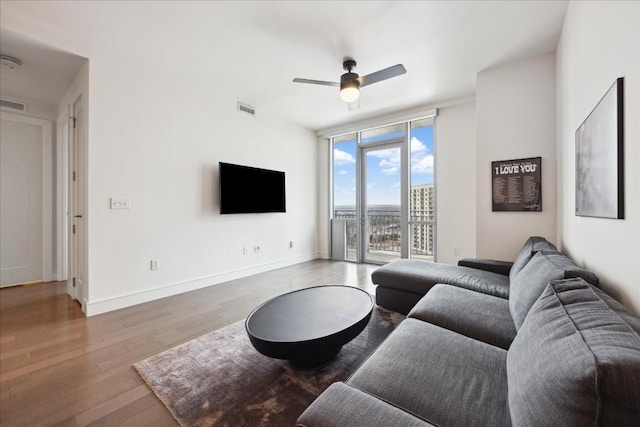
[401,283]
[556,350]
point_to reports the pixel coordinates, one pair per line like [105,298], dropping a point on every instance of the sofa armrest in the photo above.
[343,405]
[500,267]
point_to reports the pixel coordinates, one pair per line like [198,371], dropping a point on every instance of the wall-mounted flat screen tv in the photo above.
[245,189]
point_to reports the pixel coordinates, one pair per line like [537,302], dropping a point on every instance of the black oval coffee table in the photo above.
[308,327]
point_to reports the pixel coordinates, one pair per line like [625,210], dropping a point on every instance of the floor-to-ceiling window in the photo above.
[344,224]
[383,193]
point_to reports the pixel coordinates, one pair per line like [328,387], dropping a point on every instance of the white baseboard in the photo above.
[92,308]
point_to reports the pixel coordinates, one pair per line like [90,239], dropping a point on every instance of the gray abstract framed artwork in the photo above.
[599,158]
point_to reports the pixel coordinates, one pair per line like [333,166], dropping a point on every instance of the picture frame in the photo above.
[600,158]
[516,185]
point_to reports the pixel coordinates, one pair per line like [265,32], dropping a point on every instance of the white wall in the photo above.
[157,130]
[164,159]
[455,168]
[600,42]
[515,106]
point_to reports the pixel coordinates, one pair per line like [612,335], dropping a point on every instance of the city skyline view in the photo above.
[382,169]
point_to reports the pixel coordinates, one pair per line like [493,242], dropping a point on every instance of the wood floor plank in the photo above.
[5,376]
[128,412]
[9,338]
[112,405]
[8,353]
[59,368]
[153,416]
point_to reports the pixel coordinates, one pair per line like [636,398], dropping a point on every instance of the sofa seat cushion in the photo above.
[474,314]
[419,276]
[342,405]
[441,376]
[529,283]
[575,360]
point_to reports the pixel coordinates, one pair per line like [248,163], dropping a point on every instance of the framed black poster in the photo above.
[517,185]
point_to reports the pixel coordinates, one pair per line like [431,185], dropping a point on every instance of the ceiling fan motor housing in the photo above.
[349,79]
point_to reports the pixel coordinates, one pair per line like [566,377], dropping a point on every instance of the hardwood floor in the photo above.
[59,368]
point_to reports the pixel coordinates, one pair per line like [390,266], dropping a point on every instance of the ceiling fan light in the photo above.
[349,93]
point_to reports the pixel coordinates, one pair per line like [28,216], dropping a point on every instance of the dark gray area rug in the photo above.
[220,379]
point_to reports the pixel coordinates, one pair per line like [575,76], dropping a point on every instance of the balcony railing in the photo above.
[384,234]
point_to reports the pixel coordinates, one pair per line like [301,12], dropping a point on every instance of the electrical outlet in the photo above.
[256,249]
[155,264]
[290,243]
[456,251]
[119,203]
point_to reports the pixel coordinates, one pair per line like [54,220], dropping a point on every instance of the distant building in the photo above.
[421,216]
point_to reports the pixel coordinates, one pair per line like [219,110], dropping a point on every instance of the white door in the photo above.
[78,219]
[25,200]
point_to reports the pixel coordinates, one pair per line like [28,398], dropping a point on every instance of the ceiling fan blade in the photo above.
[353,105]
[378,76]
[316,82]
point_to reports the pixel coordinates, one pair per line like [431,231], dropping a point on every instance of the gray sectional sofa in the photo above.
[550,349]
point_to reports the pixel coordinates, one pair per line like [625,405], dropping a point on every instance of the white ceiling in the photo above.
[45,74]
[255,49]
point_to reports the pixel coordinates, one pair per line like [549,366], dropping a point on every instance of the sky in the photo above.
[383,169]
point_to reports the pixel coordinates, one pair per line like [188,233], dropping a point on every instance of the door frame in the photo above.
[62,196]
[77,282]
[47,190]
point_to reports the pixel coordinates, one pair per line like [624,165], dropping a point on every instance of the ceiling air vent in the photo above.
[246,109]
[13,105]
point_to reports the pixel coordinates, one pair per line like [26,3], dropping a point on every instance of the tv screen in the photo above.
[245,189]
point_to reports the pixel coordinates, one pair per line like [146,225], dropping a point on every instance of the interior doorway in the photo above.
[47,103]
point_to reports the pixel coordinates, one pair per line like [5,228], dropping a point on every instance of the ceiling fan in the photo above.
[350,82]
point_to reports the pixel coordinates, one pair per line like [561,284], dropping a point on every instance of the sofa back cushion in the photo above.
[528,284]
[575,360]
[531,246]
